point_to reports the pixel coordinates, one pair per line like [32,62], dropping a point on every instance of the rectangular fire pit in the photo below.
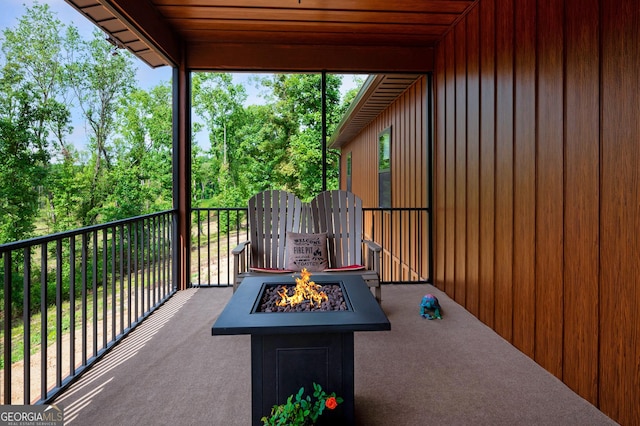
[294,349]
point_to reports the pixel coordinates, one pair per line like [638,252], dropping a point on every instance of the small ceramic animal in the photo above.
[430,307]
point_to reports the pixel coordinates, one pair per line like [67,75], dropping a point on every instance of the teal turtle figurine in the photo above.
[430,307]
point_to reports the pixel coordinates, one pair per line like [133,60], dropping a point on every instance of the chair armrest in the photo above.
[240,248]
[239,261]
[372,259]
[372,246]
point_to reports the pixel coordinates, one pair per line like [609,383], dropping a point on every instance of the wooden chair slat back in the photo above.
[271,214]
[339,214]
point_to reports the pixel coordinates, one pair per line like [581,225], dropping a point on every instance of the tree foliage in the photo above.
[122,169]
[220,104]
[22,168]
[297,106]
[100,78]
[124,166]
[31,106]
[141,179]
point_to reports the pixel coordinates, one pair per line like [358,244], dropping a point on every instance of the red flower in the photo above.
[331,403]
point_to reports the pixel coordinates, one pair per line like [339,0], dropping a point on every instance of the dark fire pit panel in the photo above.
[294,349]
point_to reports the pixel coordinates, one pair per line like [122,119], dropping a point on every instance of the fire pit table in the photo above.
[290,350]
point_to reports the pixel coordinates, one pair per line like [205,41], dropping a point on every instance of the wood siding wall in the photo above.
[537,186]
[407,117]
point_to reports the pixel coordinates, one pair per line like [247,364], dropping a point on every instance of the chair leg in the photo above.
[378,290]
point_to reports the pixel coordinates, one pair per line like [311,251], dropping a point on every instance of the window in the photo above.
[349,172]
[384,168]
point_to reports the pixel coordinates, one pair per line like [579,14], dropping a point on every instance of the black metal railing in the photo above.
[403,233]
[405,236]
[69,297]
[218,231]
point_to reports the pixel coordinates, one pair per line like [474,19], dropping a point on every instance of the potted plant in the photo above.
[300,410]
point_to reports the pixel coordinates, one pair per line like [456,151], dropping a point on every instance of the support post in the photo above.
[182,175]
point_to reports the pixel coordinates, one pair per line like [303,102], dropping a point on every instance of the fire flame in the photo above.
[305,290]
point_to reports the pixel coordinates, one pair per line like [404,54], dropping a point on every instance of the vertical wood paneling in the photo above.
[439,165]
[426,103]
[412,174]
[619,391]
[524,178]
[549,195]
[450,166]
[558,166]
[487,162]
[537,159]
[409,182]
[504,169]
[473,160]
[460,163]
[581,230]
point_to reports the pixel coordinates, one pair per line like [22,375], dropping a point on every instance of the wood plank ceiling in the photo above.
[339,35]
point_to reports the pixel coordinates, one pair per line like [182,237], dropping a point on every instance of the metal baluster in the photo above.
[59,313]
[94,291]
[85,266]
[72,304]
[26,320]
[122,296]
[43,320]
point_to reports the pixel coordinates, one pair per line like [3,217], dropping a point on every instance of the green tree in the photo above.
[157,107]
[33,53]
[141,175]
[220,103]
[204,179]
[34,48]
[22,168]
[100,77]
[298,110]
[264,146]
[65,186]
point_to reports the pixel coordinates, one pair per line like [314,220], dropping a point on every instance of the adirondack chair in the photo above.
[339,214]
[270,215]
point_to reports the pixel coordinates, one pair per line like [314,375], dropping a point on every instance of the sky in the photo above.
[147,77]
[13,9]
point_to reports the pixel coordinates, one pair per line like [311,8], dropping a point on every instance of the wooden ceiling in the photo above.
[279,35]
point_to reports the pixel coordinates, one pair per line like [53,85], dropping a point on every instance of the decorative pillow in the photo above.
[307,251]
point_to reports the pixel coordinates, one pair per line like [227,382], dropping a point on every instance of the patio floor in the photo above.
[171,371]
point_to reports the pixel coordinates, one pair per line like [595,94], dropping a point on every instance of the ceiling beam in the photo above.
[347,59]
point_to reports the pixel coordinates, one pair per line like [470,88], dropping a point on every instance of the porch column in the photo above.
[182,173]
